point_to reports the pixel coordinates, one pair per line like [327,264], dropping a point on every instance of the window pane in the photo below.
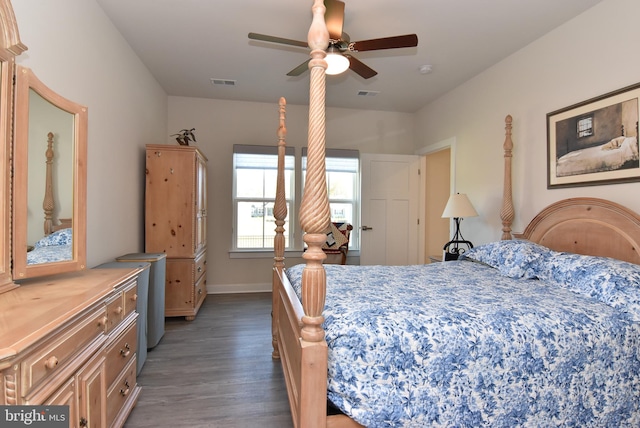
[270,179]
[249,183]
[341,185]
[256,225]
[341,212]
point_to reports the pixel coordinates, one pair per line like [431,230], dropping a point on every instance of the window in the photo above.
[343,185]
[254,189]
[585,127]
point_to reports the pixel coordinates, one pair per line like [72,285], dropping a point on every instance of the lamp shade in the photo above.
[459,206]
[336,62]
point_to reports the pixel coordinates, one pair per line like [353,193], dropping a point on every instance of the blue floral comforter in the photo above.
[55,247]
[462,344]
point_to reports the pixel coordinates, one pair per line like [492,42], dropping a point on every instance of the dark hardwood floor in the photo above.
[215,371]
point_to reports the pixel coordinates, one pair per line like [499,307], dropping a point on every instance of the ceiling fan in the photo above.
[340,47]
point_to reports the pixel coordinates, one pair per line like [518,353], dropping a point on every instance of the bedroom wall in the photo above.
[76,51]
[221,124]
[593,54]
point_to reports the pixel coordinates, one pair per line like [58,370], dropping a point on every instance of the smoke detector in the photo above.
[425,69]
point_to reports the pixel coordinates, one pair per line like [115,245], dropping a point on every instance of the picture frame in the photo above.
[595,142]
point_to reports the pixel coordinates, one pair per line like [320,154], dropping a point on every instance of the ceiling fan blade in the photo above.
[265,38]
[361,68]
[300,69]
[406,41]
[334,18]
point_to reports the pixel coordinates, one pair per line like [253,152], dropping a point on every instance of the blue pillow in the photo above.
[514,258]
[60,237]
[610,281]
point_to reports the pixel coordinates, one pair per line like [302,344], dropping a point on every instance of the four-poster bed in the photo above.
[515,333]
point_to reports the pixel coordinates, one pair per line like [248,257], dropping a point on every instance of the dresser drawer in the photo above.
[130,299]
[120,352]
[121,305]
[118,393]
[51,357]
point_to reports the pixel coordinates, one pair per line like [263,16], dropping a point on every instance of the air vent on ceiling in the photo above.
[223,82]
[364,93]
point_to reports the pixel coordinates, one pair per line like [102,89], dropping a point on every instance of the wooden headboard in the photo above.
[587,226]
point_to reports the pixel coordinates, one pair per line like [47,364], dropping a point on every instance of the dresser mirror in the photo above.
[49,182]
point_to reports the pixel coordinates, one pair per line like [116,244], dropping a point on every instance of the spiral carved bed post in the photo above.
[314,219]
[47,203]
[314,209]
[507,212]
[280,213]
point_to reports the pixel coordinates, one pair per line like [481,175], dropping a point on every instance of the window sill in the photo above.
[268,254]
[264,254]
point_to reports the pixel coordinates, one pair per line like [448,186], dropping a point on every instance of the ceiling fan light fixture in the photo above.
[336,62]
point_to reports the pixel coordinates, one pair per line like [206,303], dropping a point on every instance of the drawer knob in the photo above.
[119,310]
[51,362]
[134,297]
[199,268]
[125,392]
[126,351]
[103,322]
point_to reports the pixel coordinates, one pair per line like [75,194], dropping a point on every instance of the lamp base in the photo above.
[452,249]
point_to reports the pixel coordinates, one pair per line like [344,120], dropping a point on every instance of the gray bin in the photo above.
[141,304]
[157,275]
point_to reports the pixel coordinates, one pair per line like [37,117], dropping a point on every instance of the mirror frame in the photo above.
[26,80]
[10,47]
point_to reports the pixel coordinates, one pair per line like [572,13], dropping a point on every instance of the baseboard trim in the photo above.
[238,288]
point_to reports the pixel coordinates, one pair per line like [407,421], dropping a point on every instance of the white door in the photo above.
[390,209]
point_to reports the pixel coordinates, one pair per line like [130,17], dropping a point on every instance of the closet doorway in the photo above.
[437,188]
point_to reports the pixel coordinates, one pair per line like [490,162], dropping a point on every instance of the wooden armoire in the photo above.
[176,223]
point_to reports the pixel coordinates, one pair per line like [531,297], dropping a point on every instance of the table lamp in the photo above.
[458,207]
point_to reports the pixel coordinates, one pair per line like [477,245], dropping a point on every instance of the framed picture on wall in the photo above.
[595,142]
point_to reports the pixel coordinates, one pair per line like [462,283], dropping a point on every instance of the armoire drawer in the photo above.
[200,265]
[51,357]
[120,352]
[201,289]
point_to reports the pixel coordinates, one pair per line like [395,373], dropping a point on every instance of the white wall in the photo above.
[593,54]
[221,124]
[76,51]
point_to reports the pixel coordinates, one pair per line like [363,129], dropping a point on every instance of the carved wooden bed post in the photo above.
[314,219]
[280,213]
[507,211]
[47,203]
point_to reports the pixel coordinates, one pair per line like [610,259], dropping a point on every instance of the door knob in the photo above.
[366,228]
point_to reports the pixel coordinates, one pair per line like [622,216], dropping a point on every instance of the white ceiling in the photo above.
[186,43]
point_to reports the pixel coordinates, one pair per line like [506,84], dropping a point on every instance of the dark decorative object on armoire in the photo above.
[184,136]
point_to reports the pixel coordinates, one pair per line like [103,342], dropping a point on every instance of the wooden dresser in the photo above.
[70,339]
[176,223]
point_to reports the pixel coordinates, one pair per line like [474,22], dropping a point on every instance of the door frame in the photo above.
[451,144]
